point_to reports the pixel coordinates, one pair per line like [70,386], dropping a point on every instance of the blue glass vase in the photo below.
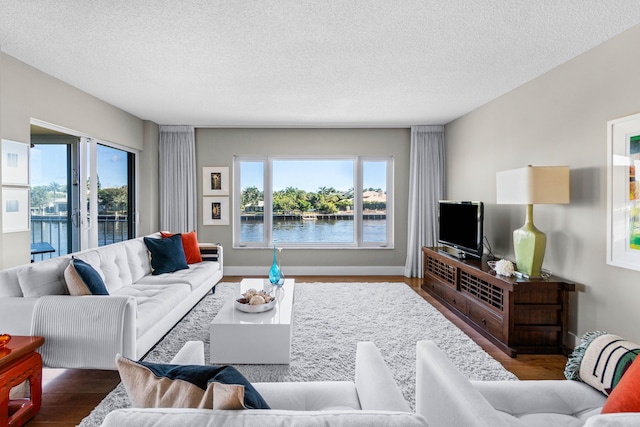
[281,281]
[274,272]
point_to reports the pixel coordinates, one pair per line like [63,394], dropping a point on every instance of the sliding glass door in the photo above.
[115,189]
[109,193]
[53,218]
[82,193]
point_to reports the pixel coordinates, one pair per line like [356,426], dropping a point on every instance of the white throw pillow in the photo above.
[44,278]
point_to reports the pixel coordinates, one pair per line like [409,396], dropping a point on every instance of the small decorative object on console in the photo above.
[4,340]
[504,268]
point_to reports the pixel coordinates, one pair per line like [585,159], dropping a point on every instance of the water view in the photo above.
[318,231]
[54,231]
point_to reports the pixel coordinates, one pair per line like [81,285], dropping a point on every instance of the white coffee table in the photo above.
[254,338]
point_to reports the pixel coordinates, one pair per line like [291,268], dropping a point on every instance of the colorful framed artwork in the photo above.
[623,192]
[15,210]
[215,211]
[215,181]
[15,163]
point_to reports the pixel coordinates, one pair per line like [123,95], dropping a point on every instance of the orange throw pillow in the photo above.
[625,397]
[190,246]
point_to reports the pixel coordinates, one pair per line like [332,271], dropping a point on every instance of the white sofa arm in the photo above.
[85,331]
[377,389]
[191,353]
[624,419]
[16,314]
[445,397]
[220,258]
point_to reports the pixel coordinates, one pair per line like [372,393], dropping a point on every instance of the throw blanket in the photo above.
[93,325]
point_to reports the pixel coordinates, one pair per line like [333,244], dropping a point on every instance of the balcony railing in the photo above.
[54,230]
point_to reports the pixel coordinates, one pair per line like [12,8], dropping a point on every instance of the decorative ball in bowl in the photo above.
[253,301]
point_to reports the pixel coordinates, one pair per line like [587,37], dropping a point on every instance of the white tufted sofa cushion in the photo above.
[119,264]
[542,403]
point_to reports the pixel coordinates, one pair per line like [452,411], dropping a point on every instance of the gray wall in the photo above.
[148,198]
[559,119]
[27,93]
[216,147]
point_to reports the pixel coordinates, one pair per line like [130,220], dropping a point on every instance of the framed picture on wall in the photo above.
[215,211]
[623,192]
[15,163]
[215,181]
[15,209]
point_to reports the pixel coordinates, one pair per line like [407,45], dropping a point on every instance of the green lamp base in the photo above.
[529,244]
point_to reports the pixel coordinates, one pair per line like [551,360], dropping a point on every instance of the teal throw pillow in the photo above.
[167,255]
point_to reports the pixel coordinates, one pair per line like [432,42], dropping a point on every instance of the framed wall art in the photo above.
[15,163]
[15,209]
[623,192]
[215,211]
[215,181]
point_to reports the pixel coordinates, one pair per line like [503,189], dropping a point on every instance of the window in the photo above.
[313,201]
[251,202]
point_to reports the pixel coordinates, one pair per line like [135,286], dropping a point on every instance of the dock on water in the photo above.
[311,216]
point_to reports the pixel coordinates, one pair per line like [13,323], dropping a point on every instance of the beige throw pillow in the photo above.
[151,385]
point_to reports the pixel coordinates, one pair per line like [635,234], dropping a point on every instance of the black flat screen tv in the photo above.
[460,227]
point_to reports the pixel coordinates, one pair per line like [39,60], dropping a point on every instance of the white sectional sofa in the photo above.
[448,399]
[372,399]
[88,331]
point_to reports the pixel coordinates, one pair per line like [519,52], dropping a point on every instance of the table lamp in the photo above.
[530,186]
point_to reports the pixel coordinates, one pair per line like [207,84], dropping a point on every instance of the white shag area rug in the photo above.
[329,320]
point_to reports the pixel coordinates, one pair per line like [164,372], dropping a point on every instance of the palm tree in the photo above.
[55,187]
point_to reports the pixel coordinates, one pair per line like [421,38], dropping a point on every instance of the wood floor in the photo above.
[69,395]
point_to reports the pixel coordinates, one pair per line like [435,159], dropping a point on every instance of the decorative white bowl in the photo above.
[260,308]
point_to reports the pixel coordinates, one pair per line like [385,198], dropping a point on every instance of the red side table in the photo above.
[19,362]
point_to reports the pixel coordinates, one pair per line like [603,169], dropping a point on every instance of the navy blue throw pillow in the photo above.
[167,255]
[90,277]
[201,376]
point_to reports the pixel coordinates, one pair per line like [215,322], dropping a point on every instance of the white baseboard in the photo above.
[317,271]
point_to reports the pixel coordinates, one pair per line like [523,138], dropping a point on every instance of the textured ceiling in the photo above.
[304,63]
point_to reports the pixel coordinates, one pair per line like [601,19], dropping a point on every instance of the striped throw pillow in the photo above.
[600,360]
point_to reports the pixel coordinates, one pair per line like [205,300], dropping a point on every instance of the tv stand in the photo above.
[517,314]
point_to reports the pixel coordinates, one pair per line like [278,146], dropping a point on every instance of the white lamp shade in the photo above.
[533,185]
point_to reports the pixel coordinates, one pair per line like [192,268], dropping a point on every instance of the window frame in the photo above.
[357,242]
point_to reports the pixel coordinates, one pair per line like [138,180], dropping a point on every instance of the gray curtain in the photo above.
[177,170]
[426,187]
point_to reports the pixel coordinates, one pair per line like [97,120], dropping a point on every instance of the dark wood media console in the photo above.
[518,315]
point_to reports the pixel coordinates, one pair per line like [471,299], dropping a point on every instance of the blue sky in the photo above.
[309,175]
[49,164]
